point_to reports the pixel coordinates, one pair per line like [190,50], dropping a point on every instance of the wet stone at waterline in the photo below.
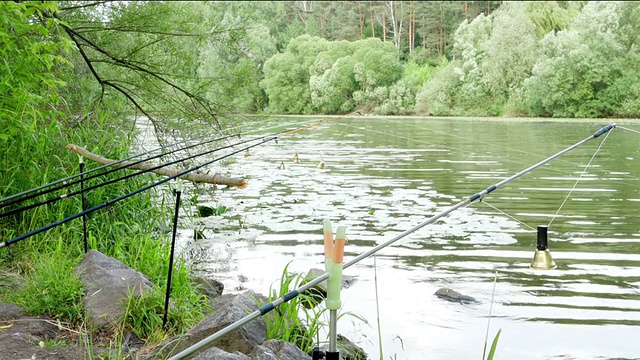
[454,296]
[318,292]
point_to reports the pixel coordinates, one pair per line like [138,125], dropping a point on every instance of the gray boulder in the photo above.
[262,353]
[10,312]
[454,296]
[227,309]
[209,287]
[217,354]
[285,351]
[107,283]
[349,350]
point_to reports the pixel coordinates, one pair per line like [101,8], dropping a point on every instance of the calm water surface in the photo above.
[385,175]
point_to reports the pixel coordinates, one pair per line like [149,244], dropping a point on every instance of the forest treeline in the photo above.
[561,59]
[75,61]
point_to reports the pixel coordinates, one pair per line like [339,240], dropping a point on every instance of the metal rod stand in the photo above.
[84,206]
[173,247]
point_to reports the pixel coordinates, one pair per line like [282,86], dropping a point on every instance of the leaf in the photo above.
[5,327]
[221,210]
[372,211]
[204,211]
[494,344]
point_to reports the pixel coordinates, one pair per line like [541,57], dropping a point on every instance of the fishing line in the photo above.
[114,169]
[525,152]
[120,198]
[446,147]
[635,131]
[506,214]
[294,293]
[128,176]
[98,168]
[579,178]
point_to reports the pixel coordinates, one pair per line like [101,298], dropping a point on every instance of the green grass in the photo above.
[297,321]
[292,321]
[51,289]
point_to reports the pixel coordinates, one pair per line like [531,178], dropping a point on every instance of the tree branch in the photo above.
[165,171]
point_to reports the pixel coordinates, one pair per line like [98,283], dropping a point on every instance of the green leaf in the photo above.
[494,344]
[372,211]
[221,210]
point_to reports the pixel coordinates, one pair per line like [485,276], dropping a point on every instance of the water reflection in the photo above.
[383,176]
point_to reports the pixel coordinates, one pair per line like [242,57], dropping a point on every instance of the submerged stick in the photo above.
[165,171]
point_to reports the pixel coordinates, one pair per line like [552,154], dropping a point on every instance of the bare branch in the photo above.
[82,6]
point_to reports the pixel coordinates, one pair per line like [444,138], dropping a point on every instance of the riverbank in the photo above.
[111,288]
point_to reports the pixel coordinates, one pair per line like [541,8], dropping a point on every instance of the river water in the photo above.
[385,175]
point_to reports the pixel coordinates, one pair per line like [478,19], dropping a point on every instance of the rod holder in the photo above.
[167,295]
[83,197]
[542,259]
[317,354]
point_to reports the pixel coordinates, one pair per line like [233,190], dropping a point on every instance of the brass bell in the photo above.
[247,153]
[296,159]
[281,167]
[320,165]
[542,259]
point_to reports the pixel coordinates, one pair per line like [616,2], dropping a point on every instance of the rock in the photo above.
[454,296]
[217,354]
[285,351]
[349,350]
[209,287]
[262,353]
[21,337]
[107,283]
[318,292]
[10,312]
[227,309]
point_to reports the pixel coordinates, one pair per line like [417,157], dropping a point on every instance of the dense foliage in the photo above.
[565,59]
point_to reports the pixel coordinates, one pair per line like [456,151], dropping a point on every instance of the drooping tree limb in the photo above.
[165,171]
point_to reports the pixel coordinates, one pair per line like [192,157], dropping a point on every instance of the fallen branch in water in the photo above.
[196,178]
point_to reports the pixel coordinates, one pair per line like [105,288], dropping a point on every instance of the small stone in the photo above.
[209,287]
[318,292]
[454,296]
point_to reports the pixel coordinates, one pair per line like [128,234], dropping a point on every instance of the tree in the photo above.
[286,75]
[590,69]
[32,49]
[509,52]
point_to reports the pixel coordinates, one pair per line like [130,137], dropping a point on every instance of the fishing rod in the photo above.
[120,198]
[294,293]
[63,196]
[127,165]
[2,201]
[128,176]
[99,168]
